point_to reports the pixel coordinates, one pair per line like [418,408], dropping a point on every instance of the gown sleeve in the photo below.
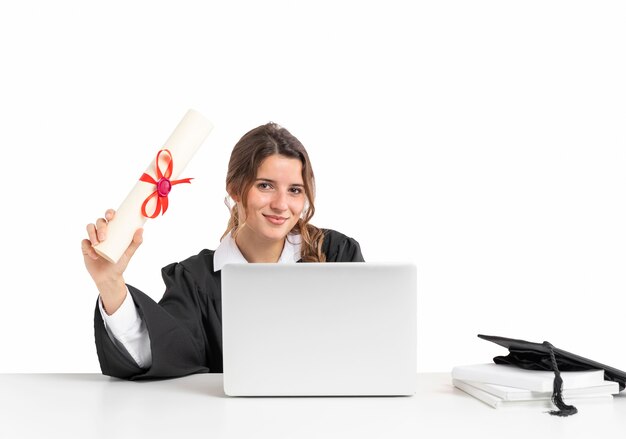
[340,248]
[176,325]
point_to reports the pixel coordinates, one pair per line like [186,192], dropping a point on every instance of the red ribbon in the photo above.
[163,185]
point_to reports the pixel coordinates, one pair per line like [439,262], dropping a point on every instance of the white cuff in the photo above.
[122,320]
[126,328]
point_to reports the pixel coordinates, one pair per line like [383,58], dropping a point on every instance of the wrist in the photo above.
[112,294]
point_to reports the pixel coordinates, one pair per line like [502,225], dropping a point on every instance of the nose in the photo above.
[279,201]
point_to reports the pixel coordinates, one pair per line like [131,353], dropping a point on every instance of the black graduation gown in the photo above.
[185,327]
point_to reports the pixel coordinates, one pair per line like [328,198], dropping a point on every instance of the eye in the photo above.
[296,190]
[264,185]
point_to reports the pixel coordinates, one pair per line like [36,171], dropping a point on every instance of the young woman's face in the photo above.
[276,198]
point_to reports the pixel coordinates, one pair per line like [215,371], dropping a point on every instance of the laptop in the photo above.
[319,329]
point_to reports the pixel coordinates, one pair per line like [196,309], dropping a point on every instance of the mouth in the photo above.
[276,220]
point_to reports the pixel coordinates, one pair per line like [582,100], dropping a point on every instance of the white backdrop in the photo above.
[482,140]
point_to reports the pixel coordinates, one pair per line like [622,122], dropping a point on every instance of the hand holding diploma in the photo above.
[114,239]
[108,276]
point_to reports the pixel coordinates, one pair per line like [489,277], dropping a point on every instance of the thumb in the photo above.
[136,242]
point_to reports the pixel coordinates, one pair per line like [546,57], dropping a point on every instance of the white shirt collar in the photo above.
[228,252]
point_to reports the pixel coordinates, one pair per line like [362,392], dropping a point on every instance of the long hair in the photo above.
[246,158]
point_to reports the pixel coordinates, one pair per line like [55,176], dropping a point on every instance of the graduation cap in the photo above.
[544,356]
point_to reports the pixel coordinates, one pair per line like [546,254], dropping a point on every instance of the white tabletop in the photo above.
[95,406]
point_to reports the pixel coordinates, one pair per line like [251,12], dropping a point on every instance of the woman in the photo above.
[271,183]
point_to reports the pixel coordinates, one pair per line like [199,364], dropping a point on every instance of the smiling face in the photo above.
[275,200]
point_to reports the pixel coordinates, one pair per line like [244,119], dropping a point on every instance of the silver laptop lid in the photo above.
[319,329]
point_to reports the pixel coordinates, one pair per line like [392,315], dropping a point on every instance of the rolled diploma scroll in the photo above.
[182,144]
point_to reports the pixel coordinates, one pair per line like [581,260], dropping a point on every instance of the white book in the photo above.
[497,402]
[516,394]
[535,380]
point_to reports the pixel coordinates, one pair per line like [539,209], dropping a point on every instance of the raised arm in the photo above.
[108,277]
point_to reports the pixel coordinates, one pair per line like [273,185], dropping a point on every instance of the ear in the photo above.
[234,197]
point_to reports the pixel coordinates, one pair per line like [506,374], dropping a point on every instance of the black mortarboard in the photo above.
[544,356]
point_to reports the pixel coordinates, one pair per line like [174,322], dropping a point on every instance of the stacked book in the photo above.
[502,385]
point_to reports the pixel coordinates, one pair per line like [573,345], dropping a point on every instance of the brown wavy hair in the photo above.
[246,158]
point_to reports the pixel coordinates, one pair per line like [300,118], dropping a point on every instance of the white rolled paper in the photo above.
[182,144]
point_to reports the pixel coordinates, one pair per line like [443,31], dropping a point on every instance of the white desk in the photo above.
[95,406]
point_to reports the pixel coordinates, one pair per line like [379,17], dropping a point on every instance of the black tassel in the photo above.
[557,395]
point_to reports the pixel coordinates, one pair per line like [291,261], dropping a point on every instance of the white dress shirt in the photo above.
[128,331]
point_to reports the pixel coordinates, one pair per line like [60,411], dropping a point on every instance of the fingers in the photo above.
[88,250]
[98,232]
[101,226]
[91,233]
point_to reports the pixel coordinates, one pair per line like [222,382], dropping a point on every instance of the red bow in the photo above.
[163,185]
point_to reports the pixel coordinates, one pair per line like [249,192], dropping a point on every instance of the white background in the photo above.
[482,140]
